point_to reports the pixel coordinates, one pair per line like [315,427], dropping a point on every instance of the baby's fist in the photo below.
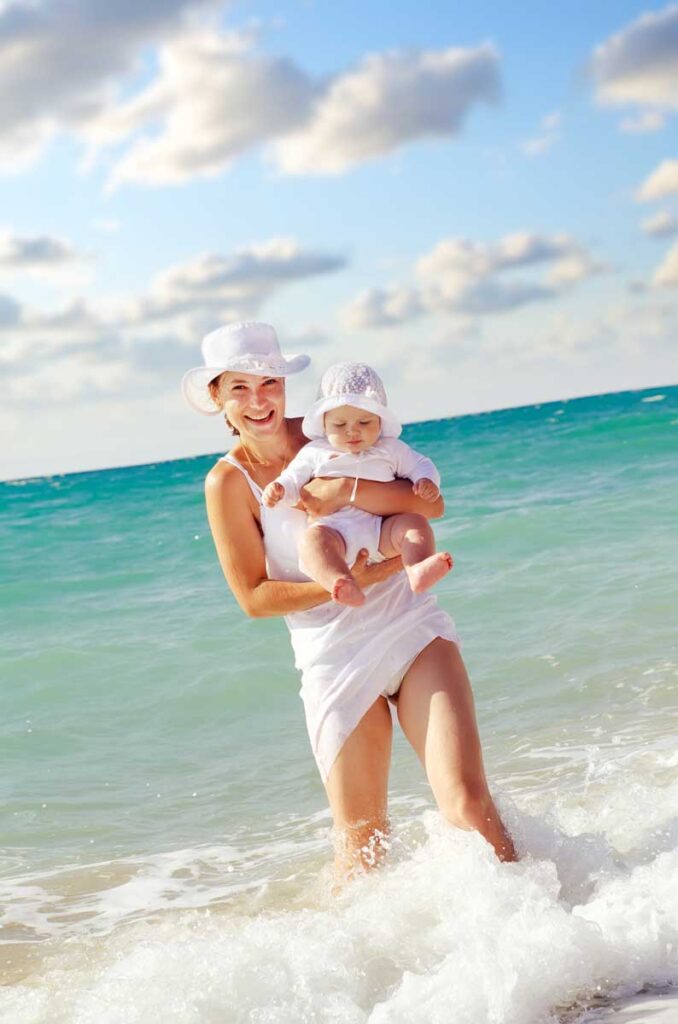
[273,493]
[426,489]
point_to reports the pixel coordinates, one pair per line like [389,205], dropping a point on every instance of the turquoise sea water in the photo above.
[164,833]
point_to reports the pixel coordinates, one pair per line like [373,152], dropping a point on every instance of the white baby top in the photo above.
[386,460]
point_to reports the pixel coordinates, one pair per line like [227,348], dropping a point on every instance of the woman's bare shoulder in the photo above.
[228,497]
[224,477]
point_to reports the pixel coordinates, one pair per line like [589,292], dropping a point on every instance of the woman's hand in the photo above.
[366,575]
[324,495]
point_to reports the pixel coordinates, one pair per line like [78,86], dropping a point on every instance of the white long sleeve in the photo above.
[387,459]
[301,469]
[409,463]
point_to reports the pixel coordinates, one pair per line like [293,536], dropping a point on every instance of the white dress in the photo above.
[387,459]
[347,656]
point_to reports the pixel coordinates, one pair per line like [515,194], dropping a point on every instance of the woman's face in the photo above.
[255,406]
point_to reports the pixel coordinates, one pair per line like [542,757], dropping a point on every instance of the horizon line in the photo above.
[410,423]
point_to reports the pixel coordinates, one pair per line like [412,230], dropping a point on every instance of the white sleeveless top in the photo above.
[347,656]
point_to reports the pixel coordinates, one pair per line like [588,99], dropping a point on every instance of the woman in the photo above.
[398,645]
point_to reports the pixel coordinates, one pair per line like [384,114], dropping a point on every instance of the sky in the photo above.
[479,200]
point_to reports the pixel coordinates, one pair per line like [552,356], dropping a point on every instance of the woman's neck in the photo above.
[275,450]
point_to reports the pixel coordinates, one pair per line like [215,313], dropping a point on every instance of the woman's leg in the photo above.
[323,555]
[437,714]
[357,789]
[410,535]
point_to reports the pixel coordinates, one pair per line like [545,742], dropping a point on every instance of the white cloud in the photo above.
[574,266]
[45,257]
[390,99]
[462,275]
[547,137]
[83,67]
[459,256]
[644,123]
[213,99]
[210,101]
[34,252]
[660,225]
[639,65]
[666,275]
[608,339]
[96,351]
[464,278]
[230,286]
[60,63]
[661,183]
[382,307]
[485,296]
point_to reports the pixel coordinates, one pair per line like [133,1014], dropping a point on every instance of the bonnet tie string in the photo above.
[355,482]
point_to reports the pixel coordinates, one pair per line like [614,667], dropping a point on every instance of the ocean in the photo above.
[165,841]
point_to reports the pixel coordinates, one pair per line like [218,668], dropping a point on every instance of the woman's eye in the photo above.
[272,380]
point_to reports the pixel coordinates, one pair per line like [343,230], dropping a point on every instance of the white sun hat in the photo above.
[354,384]
[245,347]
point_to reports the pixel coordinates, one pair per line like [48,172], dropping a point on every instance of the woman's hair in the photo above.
[214,388]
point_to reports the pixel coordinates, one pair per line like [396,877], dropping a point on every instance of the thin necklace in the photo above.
[260,462]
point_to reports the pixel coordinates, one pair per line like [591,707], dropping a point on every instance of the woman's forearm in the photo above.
[387,499]
[277,597]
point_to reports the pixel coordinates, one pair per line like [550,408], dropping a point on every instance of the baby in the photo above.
[353,433]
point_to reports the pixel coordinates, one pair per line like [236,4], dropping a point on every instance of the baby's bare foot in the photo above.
[424,574]
[347,591]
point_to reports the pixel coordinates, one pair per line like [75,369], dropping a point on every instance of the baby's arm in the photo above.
[273,493]
[288,485]
[425,488]
[417,468]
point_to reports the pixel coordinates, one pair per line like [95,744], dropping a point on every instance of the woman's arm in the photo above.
[240,550]
[325,495]
[396,496]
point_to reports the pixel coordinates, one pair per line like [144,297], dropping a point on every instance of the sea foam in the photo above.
[443,932]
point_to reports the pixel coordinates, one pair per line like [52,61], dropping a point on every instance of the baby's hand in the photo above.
[273,493]
[426,489]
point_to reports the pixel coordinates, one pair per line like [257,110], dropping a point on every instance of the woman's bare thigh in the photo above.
[436,711]
[437,715]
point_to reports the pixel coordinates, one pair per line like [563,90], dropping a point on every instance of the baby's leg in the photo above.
[323,553]
[410,536]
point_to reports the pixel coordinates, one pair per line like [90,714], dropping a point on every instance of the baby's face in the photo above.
[349,429]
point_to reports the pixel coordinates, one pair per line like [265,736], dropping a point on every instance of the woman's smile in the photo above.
[265,418]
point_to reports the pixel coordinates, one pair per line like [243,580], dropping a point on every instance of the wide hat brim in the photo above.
[313,422]
[194,384]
